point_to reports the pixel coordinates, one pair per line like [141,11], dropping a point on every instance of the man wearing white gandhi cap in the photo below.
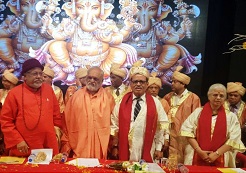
[182,103]
[234,103]
[139,120]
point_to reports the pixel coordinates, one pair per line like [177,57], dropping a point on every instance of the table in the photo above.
[63,168]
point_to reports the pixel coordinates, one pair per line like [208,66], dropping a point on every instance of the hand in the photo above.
[14,25]
[212,157]
[158,154]
[46,20]
[23,147]
[166,145]
[160,31]
[69,27]
[204,154]
[103,35]
[186,24]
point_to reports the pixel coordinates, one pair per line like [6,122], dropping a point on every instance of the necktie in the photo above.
[137,108]
[233,108]
[117,92]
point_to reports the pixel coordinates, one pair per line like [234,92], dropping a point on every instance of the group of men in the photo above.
[126,122]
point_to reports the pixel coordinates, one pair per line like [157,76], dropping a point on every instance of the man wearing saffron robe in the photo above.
[48,76]
[182,103]
[87,119]
[9,81]
[30,113]
[141,136]
[214,133]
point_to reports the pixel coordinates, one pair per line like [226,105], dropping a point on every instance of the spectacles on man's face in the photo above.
[176,81]
[35,74]
[135,82]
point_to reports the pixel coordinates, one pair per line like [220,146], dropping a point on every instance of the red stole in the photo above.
[124,126]
[204,129]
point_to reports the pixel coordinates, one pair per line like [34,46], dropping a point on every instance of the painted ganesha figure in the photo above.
[87,38]
[157,41]
[18,32]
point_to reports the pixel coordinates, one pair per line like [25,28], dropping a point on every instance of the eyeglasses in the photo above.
[135,82]
[35,74]
[176,81]
[94,78]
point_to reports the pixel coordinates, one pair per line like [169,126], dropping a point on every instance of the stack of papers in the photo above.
[231,170]
[11,160]
[87,162]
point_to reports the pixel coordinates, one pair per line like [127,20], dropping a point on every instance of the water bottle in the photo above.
[64,157]
[31,158]
[182,168]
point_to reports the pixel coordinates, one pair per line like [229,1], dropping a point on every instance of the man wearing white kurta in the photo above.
[141,138]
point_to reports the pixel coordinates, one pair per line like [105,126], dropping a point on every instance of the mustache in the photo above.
[91,83]
[138,87]
[38,80]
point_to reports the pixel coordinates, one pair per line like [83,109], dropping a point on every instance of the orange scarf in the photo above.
[124,126]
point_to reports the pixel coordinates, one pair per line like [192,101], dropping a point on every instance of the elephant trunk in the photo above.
[86,23]
[145,22]
[31,20]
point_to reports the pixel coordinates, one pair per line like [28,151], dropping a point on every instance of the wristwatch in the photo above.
[217,152]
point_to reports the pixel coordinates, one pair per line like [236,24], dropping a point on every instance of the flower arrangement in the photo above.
[129,166]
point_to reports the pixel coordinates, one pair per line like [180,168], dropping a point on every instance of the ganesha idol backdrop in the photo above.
[68,35]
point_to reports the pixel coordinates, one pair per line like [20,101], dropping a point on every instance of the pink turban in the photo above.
[181,76]
[235,87]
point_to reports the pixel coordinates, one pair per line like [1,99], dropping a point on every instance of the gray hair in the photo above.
[96,68]
[216,86]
